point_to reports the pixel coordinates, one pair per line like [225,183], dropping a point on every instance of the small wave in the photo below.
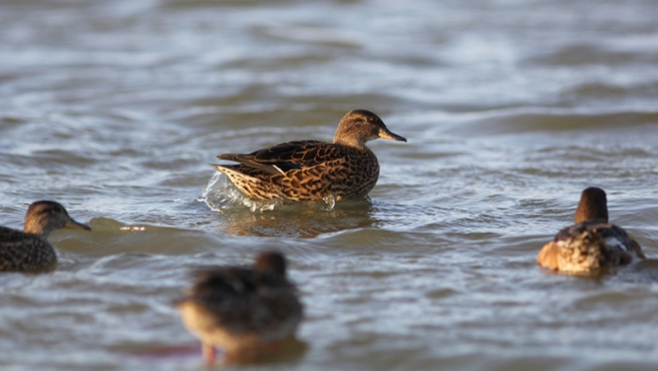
[316,35]
[535,119]
[593,53]
[221,195]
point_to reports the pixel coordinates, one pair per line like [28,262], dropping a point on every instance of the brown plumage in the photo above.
[29,249]
[592,243]
[593,205]
[310,169]
[242,310]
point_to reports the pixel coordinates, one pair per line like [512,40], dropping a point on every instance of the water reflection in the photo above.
[289,352]
[111,238]
[242,216]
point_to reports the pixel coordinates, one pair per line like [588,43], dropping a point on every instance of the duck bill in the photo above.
[387,134]
[75,225]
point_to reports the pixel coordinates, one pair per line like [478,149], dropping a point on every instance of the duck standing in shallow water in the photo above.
[29,249]
[243,311]
[592,243]
[310,169]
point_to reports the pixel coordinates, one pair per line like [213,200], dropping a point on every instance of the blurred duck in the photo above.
[244,311]
[29,249]
[592,243]
[310,169]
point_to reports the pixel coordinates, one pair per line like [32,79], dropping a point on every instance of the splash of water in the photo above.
[330,200]
[221,195]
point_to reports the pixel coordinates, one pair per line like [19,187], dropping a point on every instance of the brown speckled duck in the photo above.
[29,249]
[310,169]
[242,310]
[592,243]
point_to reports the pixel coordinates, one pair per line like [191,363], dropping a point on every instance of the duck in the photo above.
[29,249]
[592,243]
[311,169]
[243,311]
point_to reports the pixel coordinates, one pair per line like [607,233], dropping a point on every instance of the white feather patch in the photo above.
[614,242]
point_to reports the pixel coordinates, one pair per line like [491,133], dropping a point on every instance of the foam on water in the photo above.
[221,195]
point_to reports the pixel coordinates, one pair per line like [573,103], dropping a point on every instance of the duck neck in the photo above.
[36,228]
[350,142]
[587,212]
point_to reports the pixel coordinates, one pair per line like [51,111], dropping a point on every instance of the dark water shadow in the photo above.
[639,272]
[289,352]
[303,220]
[642,272]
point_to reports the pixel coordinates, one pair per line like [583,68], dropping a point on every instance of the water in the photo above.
[511,108]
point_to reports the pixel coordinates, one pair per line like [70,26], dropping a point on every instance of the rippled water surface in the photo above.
[511,108]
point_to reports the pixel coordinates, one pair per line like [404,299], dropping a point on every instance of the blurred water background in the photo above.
[115,109]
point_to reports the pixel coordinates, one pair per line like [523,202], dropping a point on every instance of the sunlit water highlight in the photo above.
[116,108]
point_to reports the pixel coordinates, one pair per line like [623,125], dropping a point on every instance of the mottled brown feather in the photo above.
[21,251]
[590,245]
[29,249]
[238,308]
[311,169]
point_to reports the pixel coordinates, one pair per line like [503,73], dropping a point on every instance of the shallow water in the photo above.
[511,108]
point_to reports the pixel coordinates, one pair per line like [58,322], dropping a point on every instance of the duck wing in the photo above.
[234,296]
[287,156]
[20,251]
[229,282]
[628,243]
[9,235]
[613,235]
